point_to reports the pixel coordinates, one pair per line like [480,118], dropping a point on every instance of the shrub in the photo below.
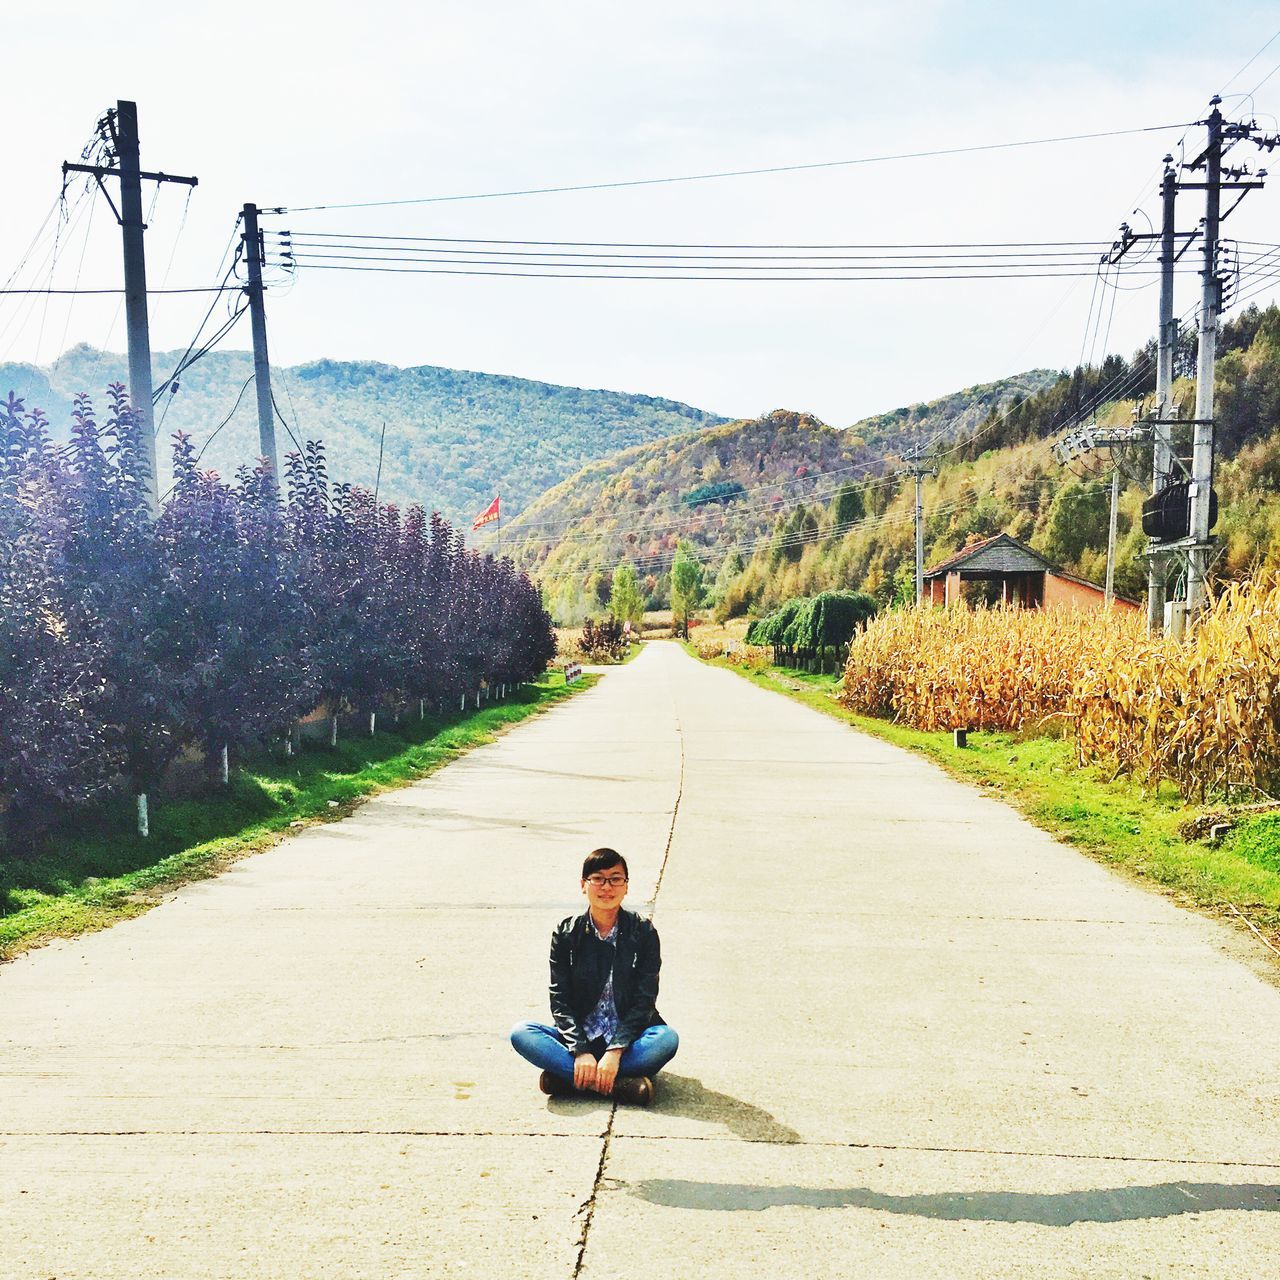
[604,641]
[125,639]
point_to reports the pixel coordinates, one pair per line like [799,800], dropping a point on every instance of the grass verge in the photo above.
[1113,820]
[99,871]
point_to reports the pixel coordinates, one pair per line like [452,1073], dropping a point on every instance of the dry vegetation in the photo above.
[954,668]
[1203,713]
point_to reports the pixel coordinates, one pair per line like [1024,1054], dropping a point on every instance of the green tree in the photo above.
[731,568]
[1077,521]
[848,507]
[686,586]
[792,534]
[625,603]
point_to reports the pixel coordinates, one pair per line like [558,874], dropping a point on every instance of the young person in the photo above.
[608,1035]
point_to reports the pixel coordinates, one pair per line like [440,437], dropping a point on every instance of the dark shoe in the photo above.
[554,1087]
[635,1090]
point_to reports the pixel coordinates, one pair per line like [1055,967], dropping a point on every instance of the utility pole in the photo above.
[1236,178]
[258,321]
[1167,341]
[120,132]
[1109,593]
[1210,305]
[919,470]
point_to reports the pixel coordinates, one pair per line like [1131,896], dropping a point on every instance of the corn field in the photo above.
[980,669]
[1203,713]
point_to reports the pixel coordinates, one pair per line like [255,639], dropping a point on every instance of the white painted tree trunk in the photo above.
[333,731]
[226,766]
[144,820]
[373,723]
[422,708]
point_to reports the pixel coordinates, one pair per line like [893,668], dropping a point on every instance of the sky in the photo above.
[322,104]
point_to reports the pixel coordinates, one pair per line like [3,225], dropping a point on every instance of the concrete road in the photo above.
[920,1038]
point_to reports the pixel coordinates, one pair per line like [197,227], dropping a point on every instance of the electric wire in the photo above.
[688,279]
[731,173]
[283,423]
[215,431]
[655,522]
[84,248]
[1248,64]
[802,538]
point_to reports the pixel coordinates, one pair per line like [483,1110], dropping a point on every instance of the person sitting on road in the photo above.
[608,1035]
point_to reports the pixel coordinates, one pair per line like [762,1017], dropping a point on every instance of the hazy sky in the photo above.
[293,104]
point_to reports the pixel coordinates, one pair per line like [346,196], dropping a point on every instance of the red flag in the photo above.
[491,513]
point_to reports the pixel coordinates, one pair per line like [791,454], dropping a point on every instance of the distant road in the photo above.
[919,1037]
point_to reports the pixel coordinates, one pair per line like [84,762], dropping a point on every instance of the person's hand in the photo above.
[607,1071]
[584,1071]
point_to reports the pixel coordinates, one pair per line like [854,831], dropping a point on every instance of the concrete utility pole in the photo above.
[1210,305]
[122,126]
[919,470]
[1167,341]
[1109,591]
[258,321]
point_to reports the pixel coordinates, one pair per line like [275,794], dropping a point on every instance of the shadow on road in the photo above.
[1062,1209]
[685,1096]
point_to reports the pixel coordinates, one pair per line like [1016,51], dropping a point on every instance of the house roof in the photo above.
[1000,554]
[1003,553]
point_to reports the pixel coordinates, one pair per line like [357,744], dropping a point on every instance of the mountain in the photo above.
[453,438]
[1001,476]
[723,489]
[949,417]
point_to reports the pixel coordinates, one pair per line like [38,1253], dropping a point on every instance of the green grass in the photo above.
[98,871]
[1111,819]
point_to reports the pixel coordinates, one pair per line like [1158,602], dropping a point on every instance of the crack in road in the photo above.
[608,1136]
[588,1208]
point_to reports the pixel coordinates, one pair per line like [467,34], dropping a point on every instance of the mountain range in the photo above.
[453,438]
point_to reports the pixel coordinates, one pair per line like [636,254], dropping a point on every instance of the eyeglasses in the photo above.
[614,882]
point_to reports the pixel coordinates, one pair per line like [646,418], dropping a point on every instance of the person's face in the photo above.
[602,891]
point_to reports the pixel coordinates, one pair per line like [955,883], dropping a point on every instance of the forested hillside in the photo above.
[1002,475]
[948,417]
[728,490]
[802,508]
[453,438]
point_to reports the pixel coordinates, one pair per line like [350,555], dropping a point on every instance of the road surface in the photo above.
[919,1037]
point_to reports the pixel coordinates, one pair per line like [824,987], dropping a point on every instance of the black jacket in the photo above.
[580,968]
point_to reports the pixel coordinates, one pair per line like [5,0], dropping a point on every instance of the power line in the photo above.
[208,288]
[439,244]
[733,173]
[705,262]
[215,431]
[755,279]
[650,525]
[1248,64]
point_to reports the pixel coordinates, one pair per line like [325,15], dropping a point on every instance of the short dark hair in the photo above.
[602,860]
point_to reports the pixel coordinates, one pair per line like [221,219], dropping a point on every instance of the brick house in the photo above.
[1012,573]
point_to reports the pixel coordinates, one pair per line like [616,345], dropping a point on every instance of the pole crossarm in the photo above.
[106,171]
[1088,438]
[100,171]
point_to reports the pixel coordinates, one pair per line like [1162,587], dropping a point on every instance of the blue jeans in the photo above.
[545,1047]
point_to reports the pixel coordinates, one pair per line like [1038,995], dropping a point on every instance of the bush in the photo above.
[124,640]
[604,641]
[810,629]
